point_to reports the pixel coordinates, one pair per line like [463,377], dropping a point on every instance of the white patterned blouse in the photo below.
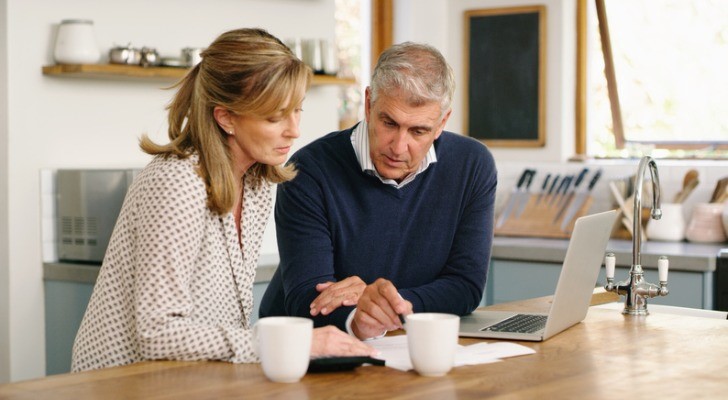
[174,283]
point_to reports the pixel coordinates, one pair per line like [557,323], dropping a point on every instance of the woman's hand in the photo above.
[336,294]
[329,341]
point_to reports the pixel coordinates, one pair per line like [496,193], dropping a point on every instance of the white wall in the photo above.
[440,23]
[4,291]
[53,122]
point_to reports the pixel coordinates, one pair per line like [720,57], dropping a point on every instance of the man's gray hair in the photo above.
[417,71]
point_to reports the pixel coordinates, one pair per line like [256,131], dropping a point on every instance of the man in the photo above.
[390,217]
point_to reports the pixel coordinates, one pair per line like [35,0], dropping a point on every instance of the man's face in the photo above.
[400,135]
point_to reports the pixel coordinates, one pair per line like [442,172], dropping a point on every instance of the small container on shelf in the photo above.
[76,43]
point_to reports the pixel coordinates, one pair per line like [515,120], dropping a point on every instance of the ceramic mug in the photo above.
[284,347]
[706,225]
[671,226]
[432,340]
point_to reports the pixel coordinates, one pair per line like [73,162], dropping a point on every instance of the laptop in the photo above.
[573,291]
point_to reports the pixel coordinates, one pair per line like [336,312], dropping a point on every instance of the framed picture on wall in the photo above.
[504,58]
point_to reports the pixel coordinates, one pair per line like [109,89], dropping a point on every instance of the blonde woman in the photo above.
[176,282]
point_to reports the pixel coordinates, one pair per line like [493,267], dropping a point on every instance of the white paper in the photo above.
[393,350]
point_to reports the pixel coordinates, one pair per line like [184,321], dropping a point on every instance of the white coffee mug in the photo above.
[284,347]
[432,339]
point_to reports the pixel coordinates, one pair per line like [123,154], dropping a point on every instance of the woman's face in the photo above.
[263,139]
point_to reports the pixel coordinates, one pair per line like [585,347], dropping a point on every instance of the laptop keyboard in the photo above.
[519,323]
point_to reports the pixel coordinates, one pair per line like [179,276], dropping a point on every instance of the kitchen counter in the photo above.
[86,273]
[683,256]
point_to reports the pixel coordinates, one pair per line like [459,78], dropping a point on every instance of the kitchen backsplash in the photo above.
[671,179]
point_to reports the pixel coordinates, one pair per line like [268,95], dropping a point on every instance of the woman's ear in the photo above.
[223,118]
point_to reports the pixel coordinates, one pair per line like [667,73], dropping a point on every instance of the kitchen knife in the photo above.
[543,189]
[514,196]
[561,190]
[550,193]
[568,197]
[525,195]
[579,200]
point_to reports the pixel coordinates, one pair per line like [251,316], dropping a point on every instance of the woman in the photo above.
[176,281]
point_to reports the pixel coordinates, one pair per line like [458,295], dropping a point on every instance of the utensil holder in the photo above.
[706,225]
[671,227]
[537,220]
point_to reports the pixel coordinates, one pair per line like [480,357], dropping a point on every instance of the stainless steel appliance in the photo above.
[87,204]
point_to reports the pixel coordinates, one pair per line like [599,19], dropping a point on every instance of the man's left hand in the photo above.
[336,294]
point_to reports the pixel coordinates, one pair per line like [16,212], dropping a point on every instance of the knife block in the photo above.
[537,220]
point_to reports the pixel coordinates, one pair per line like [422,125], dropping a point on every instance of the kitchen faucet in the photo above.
[636,289]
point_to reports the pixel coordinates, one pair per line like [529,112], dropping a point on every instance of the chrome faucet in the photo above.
[636,289]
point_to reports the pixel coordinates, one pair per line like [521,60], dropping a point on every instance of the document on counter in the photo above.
[393,350]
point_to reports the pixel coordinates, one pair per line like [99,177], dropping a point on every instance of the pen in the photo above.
[401,319]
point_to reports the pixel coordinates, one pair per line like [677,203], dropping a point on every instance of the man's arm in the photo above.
[305,247]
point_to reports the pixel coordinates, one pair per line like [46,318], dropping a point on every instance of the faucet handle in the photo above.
[609,262]
[662,267]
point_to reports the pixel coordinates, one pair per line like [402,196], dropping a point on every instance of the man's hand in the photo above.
[336,294]
[378,310]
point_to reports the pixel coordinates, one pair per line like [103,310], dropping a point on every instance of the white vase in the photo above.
[671,227]
[76,43]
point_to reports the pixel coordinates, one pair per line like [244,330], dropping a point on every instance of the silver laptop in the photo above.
[573,291]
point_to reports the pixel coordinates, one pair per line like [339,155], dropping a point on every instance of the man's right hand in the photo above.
[378,310]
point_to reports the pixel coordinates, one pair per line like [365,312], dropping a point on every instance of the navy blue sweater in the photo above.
[431,238]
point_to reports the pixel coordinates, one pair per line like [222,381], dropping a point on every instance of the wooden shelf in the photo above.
[121,71]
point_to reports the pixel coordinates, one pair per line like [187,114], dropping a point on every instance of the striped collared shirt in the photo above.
[360,142]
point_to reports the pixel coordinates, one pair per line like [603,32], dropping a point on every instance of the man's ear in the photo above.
[443,123]
[223,118]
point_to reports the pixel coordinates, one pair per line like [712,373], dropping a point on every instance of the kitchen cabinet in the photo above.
[519,280]
[68,289]
[520,268]
[65,305]
[135,72]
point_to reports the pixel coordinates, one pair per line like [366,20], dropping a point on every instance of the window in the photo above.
[669,90]
[363,31]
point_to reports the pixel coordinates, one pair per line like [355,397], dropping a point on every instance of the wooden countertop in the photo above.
[608,355]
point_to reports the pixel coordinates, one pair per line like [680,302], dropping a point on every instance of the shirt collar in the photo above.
[360,142]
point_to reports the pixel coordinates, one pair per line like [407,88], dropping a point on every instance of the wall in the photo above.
[4,287]
[440,23]
[50,122]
